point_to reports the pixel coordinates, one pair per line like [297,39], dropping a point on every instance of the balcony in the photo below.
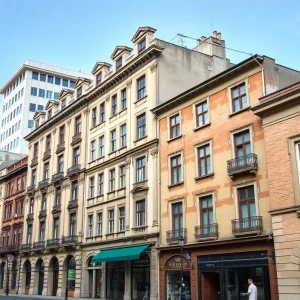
[31,188]
[56,209]
[47,154]
[243,164]
[73,170]
[34,162]
[209,231]
[43,214]
[43,183]
[25,247]
[29,217]
[76,139]
[73,204]
[60,147]
[38,245]
[53,243]
[247,226]
[69,240]
[57,177]
[10,248]
[173,236]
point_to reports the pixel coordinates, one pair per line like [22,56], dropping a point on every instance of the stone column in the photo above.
[45,285]
[77,292]
[103,281]
[60,289]
[127,295]
[94,285]
[154,275]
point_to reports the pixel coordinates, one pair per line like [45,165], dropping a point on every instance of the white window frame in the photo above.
[169,168]
[146,167]
[90,234]
[199,196]
[236,131]
[195,114]
[108,220]
[170,212]
[297,145]
[97,232]
[93,150]
[229,95]
[136,212]
[124,218]
[136,123]
[201,144]
[180,126]
[102,135]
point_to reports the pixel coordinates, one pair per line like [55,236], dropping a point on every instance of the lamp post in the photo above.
[182,290]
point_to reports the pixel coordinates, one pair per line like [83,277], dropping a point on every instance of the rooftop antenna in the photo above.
[181,39]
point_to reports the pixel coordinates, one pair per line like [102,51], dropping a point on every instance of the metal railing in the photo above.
[43,183]
[175,235]
[242,163]
[31,188]
[53,242]
[25,247]
[58,176]
[71,239]
[73,170]
[39,245]
[206,231]
[247,224]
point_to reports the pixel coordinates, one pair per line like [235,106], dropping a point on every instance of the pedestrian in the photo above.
[252,290]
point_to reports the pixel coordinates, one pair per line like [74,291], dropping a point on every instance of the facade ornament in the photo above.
[127,163]
[153,67]
[50,191]
[54,131]
[69,122]
[66,185]
[41,139]
[81,178]
[107,99]
[129,83]
[154,152]
[86,111]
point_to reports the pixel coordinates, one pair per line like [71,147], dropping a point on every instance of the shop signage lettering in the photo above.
[71,274]
[174,263]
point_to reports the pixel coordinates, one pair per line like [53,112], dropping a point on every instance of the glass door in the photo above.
[232,284]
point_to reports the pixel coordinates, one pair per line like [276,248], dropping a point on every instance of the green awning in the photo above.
[120,254]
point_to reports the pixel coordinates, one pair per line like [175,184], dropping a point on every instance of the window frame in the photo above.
[237,131]
[114,105]
[170,137]
[171,220]
[197,165]
[113,142]
[102,112]
[143,43]
[92,187]
[123,99]
[78,125]
[230,99]
[93,150]
[143,126]
[196,125]
[101,146]
[94,117]
[119,63]
[112,180]
[99,223]
[90,225]
[143,168]
[122,176]
[121,219]
[179,153]
[101,184]
[60,164]
[123,136]
[111,221]
[140,212]
[141,90]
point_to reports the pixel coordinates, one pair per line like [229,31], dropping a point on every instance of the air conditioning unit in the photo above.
[16,215]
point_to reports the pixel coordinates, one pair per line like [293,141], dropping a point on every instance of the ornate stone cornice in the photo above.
[153,67]
[129,83]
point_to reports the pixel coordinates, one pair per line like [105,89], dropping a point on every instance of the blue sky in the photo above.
[75,34]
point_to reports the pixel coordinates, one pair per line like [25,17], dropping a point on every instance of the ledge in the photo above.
[240,111]
[204,176]
[122,148]
[175,138]
[139,228]
[144,137]
[113,152]
[111,192]
[176,184]
[141,99]
[201,127]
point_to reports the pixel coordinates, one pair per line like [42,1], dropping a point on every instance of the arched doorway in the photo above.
[14,274]
[53,276]
[40,269]
[93,288]
[70,274]
[90,276]
[2,274]
[27,276]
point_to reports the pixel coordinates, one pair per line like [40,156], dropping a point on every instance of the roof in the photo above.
[120,49]
[7,163]
[141,32]
[99,65]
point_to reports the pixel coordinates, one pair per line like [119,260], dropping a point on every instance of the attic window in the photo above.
[63,103]
[119,63]
[142,46]
[79,92]
[99,78]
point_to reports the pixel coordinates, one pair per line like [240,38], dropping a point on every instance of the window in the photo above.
[100,184]
[60,164]
[49,94]
[29,234]
[242,145]
[48,142]
[142,46]
[78,125]
[121,219]
[72,224]
[94,117]
[56,228]
[123,135]
[35,150]
[79,92]
[111,221]
[57,80]
[112,176]
[141,126]
[72,84]
[63,103]
[239,97]
[65,82]
[40,107]
[123,99]
[56,95]
[141,87]
[113,141]
[90,225]
[74,190]
[246,204]
[32,107]
[298,158]
[102,112]
[119,63]
[58,195]
[33,177]
[177,218]
[42,232]
[76,156]
[101,146]
[35,75]
[140,213]
[174,126]
[122,176]
[61,134]
[46,170]
[206,213]
[176,169]
[99,78]
[30,123]
[202,117]
[204,160]
[93,150]
[43,77]
[140,169]
[44,201]
[99,223]
[50,79]
[113,105]
[41,93]
[92,187]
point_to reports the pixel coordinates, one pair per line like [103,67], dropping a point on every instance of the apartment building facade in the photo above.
[14,180]
[216,231]
[26,92]
[280,112]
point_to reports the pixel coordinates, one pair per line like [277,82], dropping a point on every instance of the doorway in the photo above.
[40,268]
[53,275]
[211,285]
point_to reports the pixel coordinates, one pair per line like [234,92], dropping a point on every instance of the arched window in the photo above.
[14,275]
[89,262]
[71,273]
[28,274]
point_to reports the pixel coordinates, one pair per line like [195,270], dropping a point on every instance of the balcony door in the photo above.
[242,146]
[247,208]
[206,214]
[177,219]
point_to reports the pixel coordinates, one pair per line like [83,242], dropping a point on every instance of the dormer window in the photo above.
[142,46]
[99,78]
[63,104]
[119,63]
[79,92]
[49,114]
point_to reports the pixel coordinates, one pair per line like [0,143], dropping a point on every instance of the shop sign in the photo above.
[174,263]
[71,274]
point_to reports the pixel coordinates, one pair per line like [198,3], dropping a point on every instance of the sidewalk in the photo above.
[41,297]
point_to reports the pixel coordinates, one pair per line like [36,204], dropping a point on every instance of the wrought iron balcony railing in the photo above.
[206,231]
[53,243]
[247,225]
[247,163]
[57,177]
[39,245]
[176,235]
[73,170]
[25,247]
[47,154]
[76,138]
[31,188]
[10,248]
[71,239]
[43,183]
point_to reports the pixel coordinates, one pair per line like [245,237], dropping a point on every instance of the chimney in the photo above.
[219,36]
[215,34]
[203,38]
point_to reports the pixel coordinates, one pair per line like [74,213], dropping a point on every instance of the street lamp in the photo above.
[181,244]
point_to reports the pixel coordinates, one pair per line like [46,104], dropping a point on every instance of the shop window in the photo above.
[141,278]
[115,280]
